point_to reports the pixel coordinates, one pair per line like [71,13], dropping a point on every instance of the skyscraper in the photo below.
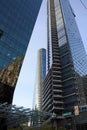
[41,74]
[67,60]
[17,19]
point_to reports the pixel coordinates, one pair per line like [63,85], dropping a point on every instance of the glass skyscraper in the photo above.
[63,87]
[17,19]
[41,74]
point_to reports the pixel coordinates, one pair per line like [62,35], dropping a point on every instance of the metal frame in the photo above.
[16,116]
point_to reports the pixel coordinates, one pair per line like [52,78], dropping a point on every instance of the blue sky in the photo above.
[24,91]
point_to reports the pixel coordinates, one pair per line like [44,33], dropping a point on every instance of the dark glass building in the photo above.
[17,19]
[63,86]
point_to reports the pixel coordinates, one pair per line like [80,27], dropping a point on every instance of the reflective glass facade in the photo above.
[17,19]
[72,53]
[67,59]
[78,53]
[41,74]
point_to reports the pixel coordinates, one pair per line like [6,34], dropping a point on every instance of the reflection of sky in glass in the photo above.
[17,19]
[77,49]
[16,28]
[43,64]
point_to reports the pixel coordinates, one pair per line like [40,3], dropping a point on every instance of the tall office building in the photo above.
[17,19]
[41,74]
[67,60]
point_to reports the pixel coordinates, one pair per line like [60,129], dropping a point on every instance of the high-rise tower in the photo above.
[17,19]
[67,60]
[41,74]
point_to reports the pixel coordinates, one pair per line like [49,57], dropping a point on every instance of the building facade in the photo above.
[67,60]
[85,86]
[41,74]
[17,19]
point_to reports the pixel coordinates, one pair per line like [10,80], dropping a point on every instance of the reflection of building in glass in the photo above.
[41,74]
[17,19]
[9,76]
[67,60]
